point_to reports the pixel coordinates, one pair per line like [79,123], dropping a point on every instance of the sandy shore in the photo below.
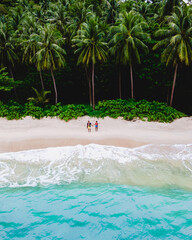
[17,135]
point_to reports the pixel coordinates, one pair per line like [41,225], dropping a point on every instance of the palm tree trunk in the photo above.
[54,83]
[42,84]
[89,81]
[93,88]
[131,73]
[15,91]
[120,96]
[173,87]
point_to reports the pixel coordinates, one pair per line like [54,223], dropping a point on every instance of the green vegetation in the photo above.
[92,47]
[6,82]
[128,39]
[144,110]
[41,97]
[177,41]
[128,109]
[87,51]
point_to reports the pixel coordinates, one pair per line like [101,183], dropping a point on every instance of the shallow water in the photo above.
[97,192]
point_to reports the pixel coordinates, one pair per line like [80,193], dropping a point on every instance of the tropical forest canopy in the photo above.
[90,50]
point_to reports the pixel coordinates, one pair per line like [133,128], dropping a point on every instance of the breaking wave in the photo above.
[150,165]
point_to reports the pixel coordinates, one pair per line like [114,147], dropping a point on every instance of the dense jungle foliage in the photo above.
[82,53]
[128,109]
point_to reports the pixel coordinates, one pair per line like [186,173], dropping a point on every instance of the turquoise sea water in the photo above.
[97,192]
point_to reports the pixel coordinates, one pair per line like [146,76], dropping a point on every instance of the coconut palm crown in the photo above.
[128,40]
[50,55]
[8,55]
[91,46]
[176,41]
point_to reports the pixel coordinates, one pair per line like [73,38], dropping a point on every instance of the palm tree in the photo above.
[28,36]
[50,55]
[78,14]
[112,9]
[8,54]
[39,14]
[176,40]
[15,17]
[91,47]
[143,8]
[128,40]
[41,97]
[117,51]
[59,16]
[30,49]
[168,7]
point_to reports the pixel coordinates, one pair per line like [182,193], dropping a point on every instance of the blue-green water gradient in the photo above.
[97,192]
[95,211]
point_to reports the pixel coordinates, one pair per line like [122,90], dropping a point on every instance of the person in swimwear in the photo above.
[89,126]
[96,126]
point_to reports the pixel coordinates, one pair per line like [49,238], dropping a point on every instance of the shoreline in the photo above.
[49,143]
[28,133]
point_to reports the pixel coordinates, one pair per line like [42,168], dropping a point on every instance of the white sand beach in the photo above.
[28,133]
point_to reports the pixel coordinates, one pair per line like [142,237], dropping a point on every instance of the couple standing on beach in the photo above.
[89,125]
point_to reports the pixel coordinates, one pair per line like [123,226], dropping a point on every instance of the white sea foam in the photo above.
[151,165]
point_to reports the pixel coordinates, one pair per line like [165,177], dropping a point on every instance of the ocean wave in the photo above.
[150,165]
